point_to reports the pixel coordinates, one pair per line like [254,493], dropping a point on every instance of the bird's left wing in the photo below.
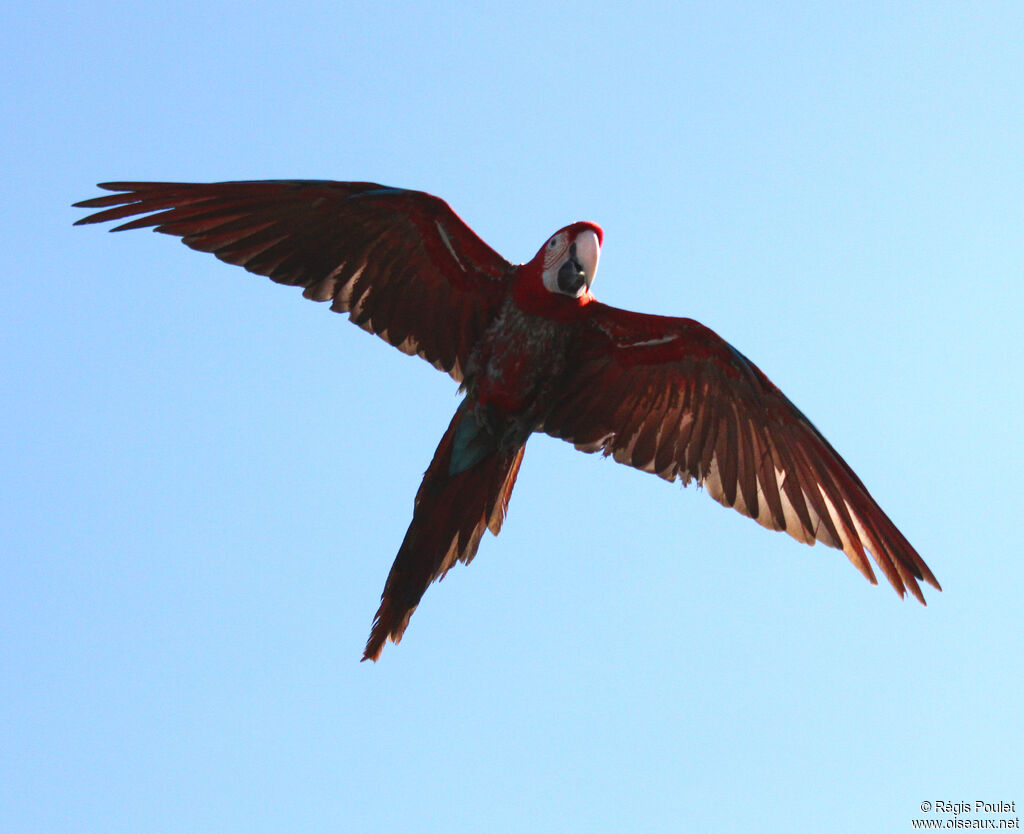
[401,263]
[668,396]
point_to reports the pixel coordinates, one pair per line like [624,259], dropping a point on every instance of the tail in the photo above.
[465,489]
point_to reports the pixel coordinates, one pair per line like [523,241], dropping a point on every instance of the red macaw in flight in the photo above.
[534,352]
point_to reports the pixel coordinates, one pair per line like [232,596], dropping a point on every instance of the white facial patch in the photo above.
[573,254]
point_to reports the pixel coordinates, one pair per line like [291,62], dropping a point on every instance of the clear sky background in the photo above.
[204,478]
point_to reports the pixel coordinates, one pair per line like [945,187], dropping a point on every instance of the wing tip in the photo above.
[908,581]
[928,576]
[923,572]
[915,589]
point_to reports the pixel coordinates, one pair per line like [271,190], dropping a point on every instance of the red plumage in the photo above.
[449,517]
[534,352]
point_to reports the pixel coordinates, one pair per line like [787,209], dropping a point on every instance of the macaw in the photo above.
[534,352]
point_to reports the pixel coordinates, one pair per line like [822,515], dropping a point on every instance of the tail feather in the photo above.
[451,513]
[501,505]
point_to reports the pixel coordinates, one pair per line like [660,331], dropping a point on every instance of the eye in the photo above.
[552,243]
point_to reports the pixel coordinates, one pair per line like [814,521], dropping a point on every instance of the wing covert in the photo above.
[669,396]
[401,263]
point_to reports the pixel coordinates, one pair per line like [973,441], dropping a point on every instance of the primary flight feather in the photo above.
[534,351]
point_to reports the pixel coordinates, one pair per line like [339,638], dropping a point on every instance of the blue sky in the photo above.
[205,477]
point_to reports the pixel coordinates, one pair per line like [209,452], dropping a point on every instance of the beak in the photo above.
[588,252]
[577,273]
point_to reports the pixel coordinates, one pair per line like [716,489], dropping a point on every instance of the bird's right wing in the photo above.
[401,263]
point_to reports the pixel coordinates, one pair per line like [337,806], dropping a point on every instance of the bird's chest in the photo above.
[518,360]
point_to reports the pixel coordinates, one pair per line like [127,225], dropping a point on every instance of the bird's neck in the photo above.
[533,298]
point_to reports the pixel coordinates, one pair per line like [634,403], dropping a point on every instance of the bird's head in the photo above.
[568,259]
[556,283]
